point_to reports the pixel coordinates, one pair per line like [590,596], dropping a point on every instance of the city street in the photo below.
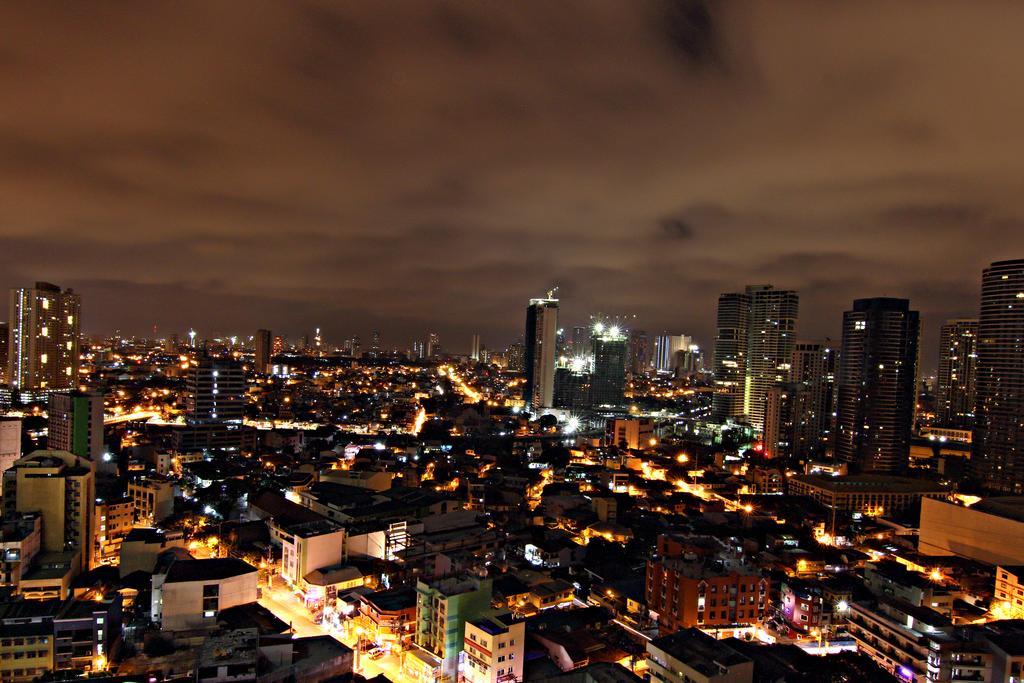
[287,607]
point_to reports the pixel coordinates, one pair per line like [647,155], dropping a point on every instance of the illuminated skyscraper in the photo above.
[263,343]
[433,344]
[539,350]
[753,349]
[611,351]
[958,362]
[998,445]
[3,351]
[771,330]
[730,356]
[43,337]
[474,349]
[667,348]
[877,384]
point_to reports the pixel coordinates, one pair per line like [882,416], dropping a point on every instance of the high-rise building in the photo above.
[779,416]
[474,350]
[61,487]
[10,443]
[433,344]
[263,343]
[667,348]
[877,384]
[278,346]
[43,337]
[375,344]
[997,456]
[639,352]
[958,360]
[76,424]
[813,370]
[753,348]
[611,350]
[730,356]
[580,341]
[215,405]
[771,330]
[539,351]
[3,352]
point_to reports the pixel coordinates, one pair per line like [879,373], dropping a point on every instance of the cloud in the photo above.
[410,166]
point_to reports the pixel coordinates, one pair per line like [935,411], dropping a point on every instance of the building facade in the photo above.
[43,337]
[997,456]
[539,352]
[877,385]
[958,363]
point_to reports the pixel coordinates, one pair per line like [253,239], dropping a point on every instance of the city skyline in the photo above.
[242,187]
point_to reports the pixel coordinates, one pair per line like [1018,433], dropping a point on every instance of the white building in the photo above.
[494,651]
[193,592]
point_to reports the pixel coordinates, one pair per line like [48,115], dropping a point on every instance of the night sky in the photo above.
[407,166]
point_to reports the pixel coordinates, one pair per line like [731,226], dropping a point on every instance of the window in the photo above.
[211,599]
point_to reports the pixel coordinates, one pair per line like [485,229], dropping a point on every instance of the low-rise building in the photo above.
[20,542]
[690,656]
[442,609]
[192,592]
[495,650]
[113,520]
[990,531]
[870,494]
[389,617]
[153,498]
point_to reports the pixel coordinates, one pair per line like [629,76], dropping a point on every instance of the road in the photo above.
[287,607]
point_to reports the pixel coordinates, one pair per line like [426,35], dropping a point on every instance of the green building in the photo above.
[443,607]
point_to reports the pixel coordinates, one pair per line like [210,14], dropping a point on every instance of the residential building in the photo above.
[634,433]
[21,539]
[442,609]
[75,424]
[43,335]
[495,650]
[152,498]
[215,406]
[262,351]
[539,351]
[877,391]
[698,582]
[813,369]
[84,632]
[60,486]
[113,520]
[691,656]
[958,364]
[997,458]
[306,546]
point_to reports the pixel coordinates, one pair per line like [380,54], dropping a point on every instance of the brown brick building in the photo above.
[692,583]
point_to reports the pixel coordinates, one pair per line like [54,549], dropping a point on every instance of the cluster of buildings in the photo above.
[590,506]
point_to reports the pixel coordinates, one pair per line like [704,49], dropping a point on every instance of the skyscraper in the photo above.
[43,337]
[639,352]
[877,384]
[608,382]
[263,343]
[666,350]
[539,351]
[474,348]
[75,424]
[958,360]
[813,371]
[753,349]
[771,330]
[433,344]
[998,445]
[730,356]
[3,352]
